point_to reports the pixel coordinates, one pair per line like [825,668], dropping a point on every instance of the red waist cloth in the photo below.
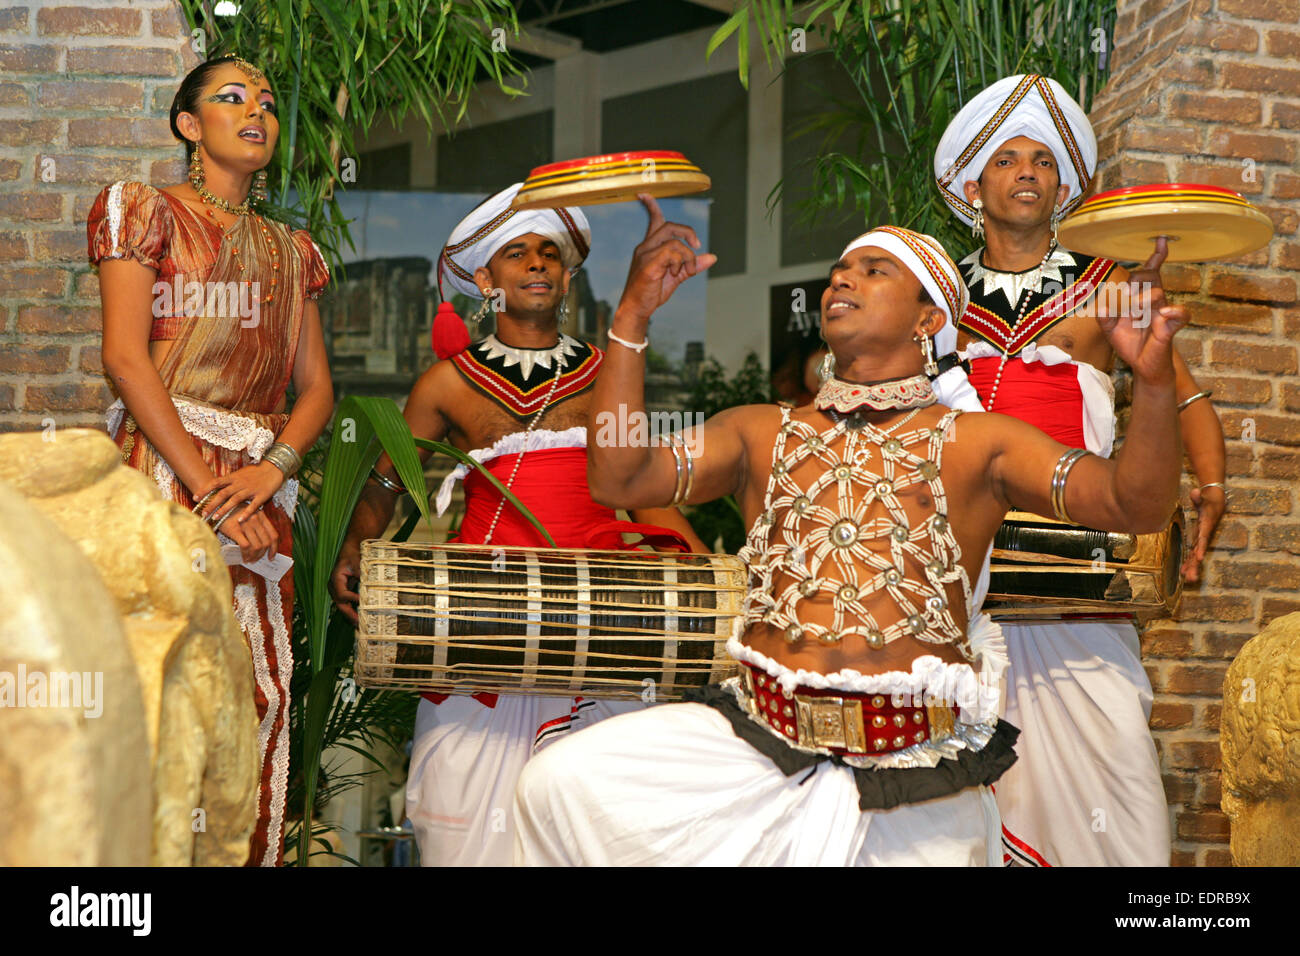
[1047,396]
[552,484]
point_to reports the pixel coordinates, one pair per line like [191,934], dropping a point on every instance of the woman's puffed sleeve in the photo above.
[316,272]
[129,221]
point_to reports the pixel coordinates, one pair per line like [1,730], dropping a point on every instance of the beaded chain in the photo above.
[1026,296]
[266,234]
[560,362]
[821,546]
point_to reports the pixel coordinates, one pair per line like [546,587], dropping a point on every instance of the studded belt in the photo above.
[839,721]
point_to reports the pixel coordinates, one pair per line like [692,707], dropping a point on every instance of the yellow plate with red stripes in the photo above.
[614,177]
[1202,223]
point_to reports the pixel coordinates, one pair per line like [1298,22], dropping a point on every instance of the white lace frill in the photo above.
[512,444]
[977,693]
[219,427]
[1096,387]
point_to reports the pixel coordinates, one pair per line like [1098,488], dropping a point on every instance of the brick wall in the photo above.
[84,95]
[1197,89]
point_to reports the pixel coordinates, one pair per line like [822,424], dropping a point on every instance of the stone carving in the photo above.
[163,568]
[1260,737]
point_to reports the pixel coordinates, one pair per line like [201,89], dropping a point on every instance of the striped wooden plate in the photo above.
[1202,223]
[614,177]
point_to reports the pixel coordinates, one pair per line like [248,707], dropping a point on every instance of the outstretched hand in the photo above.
[663,261]
[1139,324]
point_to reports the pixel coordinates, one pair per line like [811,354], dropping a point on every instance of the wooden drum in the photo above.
[464,619]
[1043,568]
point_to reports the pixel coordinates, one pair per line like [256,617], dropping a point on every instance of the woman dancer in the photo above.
[208,318]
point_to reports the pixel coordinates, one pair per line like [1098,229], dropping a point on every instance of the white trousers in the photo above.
[675,786]
[1086,790]
[465,761]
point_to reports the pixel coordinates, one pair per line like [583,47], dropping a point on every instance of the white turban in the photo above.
[930,263]
[1024,105]
[478,237]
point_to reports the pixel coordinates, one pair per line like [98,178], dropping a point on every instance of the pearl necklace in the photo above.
[559,369]
[1025,296]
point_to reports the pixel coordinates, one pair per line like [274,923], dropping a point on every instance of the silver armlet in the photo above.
[1195,398]
[386,482]
[1064,465]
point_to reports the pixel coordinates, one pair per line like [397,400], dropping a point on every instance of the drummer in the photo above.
[864,728]
[1016,159]
[519,399]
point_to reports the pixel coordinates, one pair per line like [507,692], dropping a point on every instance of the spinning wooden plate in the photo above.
[1202,223]
[615,177]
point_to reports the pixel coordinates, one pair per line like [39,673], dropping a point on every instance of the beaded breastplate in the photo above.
[833,526]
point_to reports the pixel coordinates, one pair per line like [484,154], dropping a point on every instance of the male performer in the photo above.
[520,398]
[859,731]
[1087,789]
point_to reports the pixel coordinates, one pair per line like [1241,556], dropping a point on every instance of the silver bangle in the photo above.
[386,482]
[1064,465]
[690,471]
[1215,484]
[637,347]
[283,457]
[677,460]
[1195,398]
[198,505]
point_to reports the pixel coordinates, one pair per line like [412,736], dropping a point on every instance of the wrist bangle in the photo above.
[283,457]
[198,505]
[1195,398]
[386,482]
[637,347]
[1215,484]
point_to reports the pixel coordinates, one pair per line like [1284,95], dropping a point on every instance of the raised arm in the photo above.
[1137,490]
[623,469]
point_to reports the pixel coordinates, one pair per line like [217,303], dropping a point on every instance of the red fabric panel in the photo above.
[1047,396]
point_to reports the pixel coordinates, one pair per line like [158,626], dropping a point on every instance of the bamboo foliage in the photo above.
[914,64]
[335,66]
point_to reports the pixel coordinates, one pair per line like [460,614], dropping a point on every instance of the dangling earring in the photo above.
[826,367]
[977,227]
[1056,222]
[927,352]
[259,191]
[481,314]
[562,315]
[196,167]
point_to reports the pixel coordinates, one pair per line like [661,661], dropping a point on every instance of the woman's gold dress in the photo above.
[231,302]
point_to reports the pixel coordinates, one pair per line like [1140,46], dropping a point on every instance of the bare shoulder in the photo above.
[434,391]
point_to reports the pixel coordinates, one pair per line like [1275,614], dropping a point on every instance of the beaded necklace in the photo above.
[242,210]
[1025,297]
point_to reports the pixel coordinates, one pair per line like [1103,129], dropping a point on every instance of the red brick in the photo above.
[87,21]
[1164,139]
[1284,219]
[1277,429]
[1143,170]
[1238,37]
[34,360]
[169,23]
[1209,720]
[1179,788]
[1240,461]
[13,245]
[91,94]
[68,397]
[1229,536]
[1286,255]
[1266,359]
[1282,43]
[1182,858]
[86,286]
[1167,715]
[29,58]
[116,132]
[6,398]
[26,132]
[1259,79]
[1276,463]
[1214,607]
[1163,641]
[1194,755]
[1197,70]
[90,359]
[1232,316]
[1222,644]
[39,282]
[1261,147]
[167,171]
[10,169]
[1260,501]
[125,60]
[1242,110]
[78,169]
[1278,537]
[1279,11]
[58,319]
[1217,858]
[1256,576]
[1181,277]
[59,245]
[1237,390]
[14,20]
[1273,608]
[1185,679]
[1235,175]
[13,94]
[1203,826]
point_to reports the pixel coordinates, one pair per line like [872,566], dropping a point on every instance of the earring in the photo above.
[196,167]
[977,227]
[259,191]
[482,312]
[927,352]
[826,367]
[562,315]
[1056,221]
